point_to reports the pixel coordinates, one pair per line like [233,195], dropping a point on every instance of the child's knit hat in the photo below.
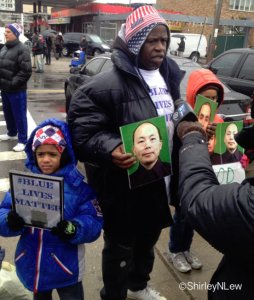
[49,135]
[15,28]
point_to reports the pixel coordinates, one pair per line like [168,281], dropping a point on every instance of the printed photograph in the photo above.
[205,110]
[148,142]
[223,148]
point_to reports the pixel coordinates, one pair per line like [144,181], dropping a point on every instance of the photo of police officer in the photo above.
[232,153]
[147,144]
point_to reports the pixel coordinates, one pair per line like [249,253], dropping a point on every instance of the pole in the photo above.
[98,23]
[196,56]
[215,31]
[22,22]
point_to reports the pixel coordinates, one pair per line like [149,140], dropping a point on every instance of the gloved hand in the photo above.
[189,127]
[14,221]
[2,255]
[65,230]
[244,161]
[211,128]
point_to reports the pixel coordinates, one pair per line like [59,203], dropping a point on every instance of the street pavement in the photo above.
[46,100]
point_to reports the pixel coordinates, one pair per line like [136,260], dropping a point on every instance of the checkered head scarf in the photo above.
[139,24]
[49,135]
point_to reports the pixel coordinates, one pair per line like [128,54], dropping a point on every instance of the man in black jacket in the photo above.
[38,53]
[15,71]
[84,46]
[181,47]
[222,214]
[142,84]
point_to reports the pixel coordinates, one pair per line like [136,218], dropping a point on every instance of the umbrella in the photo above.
[51,30]
[47,33]
[178,36]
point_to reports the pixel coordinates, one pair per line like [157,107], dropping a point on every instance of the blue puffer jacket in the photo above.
[44,261]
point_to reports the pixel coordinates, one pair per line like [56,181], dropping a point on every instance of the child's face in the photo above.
[210,94]
[48,158]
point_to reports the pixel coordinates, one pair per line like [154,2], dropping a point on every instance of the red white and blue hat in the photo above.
[139,24]
[15,28]
[49,135]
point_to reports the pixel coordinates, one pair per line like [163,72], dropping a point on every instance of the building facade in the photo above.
[231,9]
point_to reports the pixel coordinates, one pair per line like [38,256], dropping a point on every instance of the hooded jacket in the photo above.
[105,102]
[15,67]
[44,261]
[222,214]
[197,80]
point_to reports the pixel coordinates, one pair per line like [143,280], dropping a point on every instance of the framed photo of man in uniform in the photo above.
[205,110]
[148,142]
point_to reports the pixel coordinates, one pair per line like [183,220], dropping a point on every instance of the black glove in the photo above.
[190,127]
[65,230]
[14,221]
[2,255]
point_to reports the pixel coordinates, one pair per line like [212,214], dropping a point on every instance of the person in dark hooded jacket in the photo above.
[222,214]
[142,84]
[15,71]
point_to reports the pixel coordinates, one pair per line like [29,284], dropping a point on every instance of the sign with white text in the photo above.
[38,199]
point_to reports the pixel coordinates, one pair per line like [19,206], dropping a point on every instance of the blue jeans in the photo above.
[72,292]
[14,107]
[39,62]
[181,234]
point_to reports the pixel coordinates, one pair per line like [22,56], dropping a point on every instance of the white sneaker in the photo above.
[19,147]
[179,261]
[146,294]
[192,260]
[6,137]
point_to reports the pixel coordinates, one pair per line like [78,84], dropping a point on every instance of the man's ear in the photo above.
[133,150]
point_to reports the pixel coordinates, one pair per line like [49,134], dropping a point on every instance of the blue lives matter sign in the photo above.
[38,199]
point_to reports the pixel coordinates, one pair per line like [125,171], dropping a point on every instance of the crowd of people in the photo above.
[132,218]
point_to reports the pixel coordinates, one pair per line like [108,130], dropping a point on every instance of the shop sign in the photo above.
[59,21]
[7,5]
[174,25]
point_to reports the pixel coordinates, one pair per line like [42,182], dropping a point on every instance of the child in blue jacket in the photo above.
[47,260]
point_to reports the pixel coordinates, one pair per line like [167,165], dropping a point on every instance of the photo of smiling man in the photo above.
[232,153]
[148,139]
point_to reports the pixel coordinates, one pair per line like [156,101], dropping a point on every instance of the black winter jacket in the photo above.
[84,45]
[38,47]
[15,67]
[181,46]
[222,214]
[101,105]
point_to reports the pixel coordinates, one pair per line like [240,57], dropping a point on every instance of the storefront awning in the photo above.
[182,18]
[59,4]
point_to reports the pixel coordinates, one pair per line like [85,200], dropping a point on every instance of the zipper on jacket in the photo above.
[38,261]
[20,255]
[61,264]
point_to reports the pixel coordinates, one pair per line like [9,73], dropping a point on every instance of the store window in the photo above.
[108,31]
[88,27]
[242,5]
